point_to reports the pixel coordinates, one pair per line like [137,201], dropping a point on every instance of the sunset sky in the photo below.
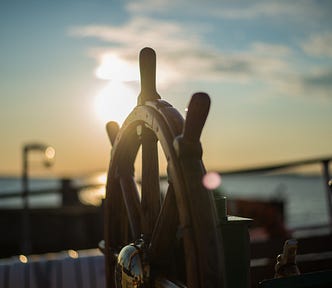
[67,67]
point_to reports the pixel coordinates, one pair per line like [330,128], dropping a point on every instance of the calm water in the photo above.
[305,196]
[14,185]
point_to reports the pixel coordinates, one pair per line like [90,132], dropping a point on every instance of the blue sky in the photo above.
[267,66]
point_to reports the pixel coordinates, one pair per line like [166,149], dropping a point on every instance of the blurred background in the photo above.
[69,67]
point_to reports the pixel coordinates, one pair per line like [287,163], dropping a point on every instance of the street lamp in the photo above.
[48,153]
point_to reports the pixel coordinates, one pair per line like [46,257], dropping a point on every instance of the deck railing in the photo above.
[325,171]
[69,193]
[48,228]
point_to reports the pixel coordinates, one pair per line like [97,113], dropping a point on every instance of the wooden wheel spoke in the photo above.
[150,201]
[114,235]
[163,237]
[132,203]
[114,212]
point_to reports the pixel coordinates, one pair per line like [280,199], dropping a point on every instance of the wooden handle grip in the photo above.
[198,111]
[147,64]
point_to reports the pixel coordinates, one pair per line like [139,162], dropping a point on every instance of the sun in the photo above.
[113,67]
[114,102]
[117,98]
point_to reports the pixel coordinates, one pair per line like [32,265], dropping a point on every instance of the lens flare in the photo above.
[211,180]
[115,102]
[115,68]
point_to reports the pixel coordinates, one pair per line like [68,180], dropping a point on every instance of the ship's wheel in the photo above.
[154,239]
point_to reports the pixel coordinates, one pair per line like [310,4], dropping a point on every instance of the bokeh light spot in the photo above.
[211,180]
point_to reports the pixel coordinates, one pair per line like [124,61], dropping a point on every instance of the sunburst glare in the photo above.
[114,68]
[116,100]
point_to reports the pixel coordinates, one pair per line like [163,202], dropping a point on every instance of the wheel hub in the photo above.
[132,269]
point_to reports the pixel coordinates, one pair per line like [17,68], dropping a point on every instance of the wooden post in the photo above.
[326,177]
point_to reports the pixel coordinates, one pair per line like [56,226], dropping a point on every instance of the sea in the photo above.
[305,195]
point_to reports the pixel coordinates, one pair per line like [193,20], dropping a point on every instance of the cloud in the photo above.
[244,10]
[313,83]
[150,5]
[184,55]
[318,45]
[140,32]
[297,10]
[173,41]
[317,83]
[186,52]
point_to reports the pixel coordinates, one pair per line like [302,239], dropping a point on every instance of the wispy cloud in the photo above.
[234,10]
[248,10]
[139,32]
[317,83]
[319,45]
[186,56]
[175,42]
[151,5]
